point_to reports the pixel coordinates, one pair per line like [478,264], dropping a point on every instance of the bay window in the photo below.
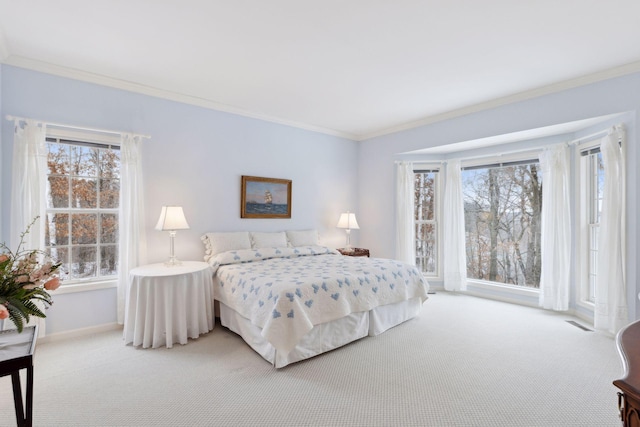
[502,204]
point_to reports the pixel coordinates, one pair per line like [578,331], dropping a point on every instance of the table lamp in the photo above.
[172,219]
[348,221]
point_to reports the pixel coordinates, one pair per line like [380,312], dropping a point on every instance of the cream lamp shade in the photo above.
[172,219]
[348,221]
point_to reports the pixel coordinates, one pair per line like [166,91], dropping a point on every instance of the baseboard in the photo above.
[75,333]
[582,316]
[502,298]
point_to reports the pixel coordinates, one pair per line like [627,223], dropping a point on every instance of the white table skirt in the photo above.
[168,304]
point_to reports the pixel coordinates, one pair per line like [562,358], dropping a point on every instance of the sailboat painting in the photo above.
[265,197]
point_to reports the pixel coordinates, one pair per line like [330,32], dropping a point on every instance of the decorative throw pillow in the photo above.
[303,237]
[269,240]
[216,243]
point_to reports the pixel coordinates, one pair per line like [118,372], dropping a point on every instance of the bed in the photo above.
[290,298]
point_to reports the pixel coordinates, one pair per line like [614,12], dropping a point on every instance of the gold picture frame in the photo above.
[265,197]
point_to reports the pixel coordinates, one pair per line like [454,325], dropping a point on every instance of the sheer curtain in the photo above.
[555,229]
[132,237]
[611,291]
[28,191]
[405,230]
[455,258]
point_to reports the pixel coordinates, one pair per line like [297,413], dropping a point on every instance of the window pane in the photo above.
[84,193]
[109,193]
[109,228]
[56,230]
[58,192]
[60,255]
[108,260]
[593,237]
[426,247]
[84,161]
[424,196]
[83,262]
[84,229]
[58,159]
[600,185]
[110,164]
[502,221]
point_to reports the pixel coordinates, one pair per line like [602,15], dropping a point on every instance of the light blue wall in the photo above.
[195,159]
[377,170]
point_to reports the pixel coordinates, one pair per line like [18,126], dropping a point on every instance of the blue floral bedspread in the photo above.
[286,291]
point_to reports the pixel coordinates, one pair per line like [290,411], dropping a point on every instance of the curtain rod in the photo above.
[397,162]
[595,134]
[10,117]
[533,151]
[589,137]
[603,132]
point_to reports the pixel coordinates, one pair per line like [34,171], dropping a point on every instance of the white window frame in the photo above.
[99,282]
[437,213]
[585,192]
[488,161]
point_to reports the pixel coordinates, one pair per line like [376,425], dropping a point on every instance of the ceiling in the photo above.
[356,68]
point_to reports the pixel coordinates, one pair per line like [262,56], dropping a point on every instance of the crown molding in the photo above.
[57,70]
[623,70]
[48,68]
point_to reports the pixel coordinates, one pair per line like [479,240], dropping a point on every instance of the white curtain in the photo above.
[455,258]
[132,237]
[405,229]
[611,291]
[555,229]
[28,192]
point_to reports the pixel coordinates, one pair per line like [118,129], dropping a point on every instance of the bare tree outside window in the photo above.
[83,190]
[502,221]
[425,221]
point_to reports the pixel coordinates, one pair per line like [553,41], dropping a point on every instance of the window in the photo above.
[592,186]
[502,206]
[83,191]
[426,225]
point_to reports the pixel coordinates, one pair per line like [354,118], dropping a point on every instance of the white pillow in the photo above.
[303,237]
[269,240]
[216,243]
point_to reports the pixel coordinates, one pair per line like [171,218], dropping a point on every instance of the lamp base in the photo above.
[347,247]
[173,262]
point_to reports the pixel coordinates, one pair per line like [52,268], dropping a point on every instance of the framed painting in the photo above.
[265,197]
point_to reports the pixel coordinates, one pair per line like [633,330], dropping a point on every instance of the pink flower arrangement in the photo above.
[26,276]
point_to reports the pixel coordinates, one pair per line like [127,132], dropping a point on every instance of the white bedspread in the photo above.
[286,291]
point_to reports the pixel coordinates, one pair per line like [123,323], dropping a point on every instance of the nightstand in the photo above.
[354,252]
[167,305]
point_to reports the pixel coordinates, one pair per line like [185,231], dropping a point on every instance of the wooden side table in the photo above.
[628,343]
[16,352]
[354,252]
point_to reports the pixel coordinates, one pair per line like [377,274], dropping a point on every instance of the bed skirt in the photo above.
[323,337]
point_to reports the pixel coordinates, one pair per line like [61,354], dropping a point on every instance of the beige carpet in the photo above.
[463,362]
